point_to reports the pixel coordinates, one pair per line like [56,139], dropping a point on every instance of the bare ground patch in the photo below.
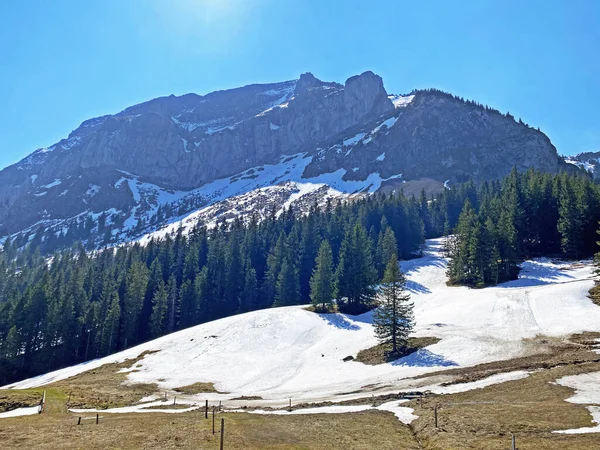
[382,353]
[103,387]
[198,388]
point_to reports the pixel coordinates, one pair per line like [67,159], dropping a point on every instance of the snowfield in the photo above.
[289,353]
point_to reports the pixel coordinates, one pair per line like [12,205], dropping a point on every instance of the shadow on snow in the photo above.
[423,358]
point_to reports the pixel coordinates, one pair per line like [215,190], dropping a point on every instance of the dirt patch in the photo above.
[169,406]
[250,397]
[331,309]
[595,294]
[382,353]
[198,388]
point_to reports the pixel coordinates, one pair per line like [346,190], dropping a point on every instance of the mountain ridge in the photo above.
[356,135]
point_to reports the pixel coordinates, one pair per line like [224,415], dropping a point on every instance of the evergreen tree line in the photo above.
[526,215]
[80,305]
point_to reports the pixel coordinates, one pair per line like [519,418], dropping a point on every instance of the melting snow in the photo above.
[353,140]
[19,412]
[51,185]
[587,388]
[284,353]
[400,101]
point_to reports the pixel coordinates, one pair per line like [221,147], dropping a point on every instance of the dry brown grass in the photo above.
[545,353]
[361,431]
[332,309]
[103,387]
[382,353]
[485,418]
[595,293]
[197,388]
[248,397]
[10,399]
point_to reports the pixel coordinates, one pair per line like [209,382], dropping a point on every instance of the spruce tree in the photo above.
[288,285]
[394,318]
[356,274]
[159,310]
[322,286]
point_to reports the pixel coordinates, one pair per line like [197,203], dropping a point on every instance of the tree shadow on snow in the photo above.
[417,288]
[423,358]
[339,321]
[534,273]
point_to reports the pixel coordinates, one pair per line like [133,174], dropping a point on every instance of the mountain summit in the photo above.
[255,148]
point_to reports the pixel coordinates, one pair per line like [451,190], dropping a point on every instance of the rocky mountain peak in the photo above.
[367,91]
[120,176]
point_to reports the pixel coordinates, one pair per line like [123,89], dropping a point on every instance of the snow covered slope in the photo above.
[292,353]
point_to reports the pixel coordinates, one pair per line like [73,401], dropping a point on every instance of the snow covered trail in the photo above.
[285,353]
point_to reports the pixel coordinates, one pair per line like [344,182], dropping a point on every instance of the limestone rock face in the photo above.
[150,163]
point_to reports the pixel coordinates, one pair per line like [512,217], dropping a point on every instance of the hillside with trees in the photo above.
[77,305]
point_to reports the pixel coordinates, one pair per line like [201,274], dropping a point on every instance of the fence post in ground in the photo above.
[290,404]
[97,418]
[174,400]
[222,432]
[514,442]
[43,402]
[79,421]
[206,410]
[213,420]
[220,409]
[435,415]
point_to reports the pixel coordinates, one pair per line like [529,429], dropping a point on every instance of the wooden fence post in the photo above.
[514,442]
[97,418]
[79,421]
[213,420]
[222,432]
[43,402]
[435,415]
[174,400]
[206,410]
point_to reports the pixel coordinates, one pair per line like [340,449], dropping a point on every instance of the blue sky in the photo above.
[64,61]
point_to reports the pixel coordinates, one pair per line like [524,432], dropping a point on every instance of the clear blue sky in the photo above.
[64,61]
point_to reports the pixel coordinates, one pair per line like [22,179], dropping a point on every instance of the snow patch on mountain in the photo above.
[401,101]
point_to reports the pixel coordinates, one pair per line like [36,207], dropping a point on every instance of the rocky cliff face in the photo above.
[118,176]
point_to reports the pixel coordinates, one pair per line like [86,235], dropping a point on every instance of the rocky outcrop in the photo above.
[150,162]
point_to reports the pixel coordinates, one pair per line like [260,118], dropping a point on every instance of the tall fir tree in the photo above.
[394,318]
[322,282]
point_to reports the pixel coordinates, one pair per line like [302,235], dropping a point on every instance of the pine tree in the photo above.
[386,247]
[136,285]
[250,291]
[355,273]
[159,310]
[394,318]
[322,286]
[288,285]
[110,331]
